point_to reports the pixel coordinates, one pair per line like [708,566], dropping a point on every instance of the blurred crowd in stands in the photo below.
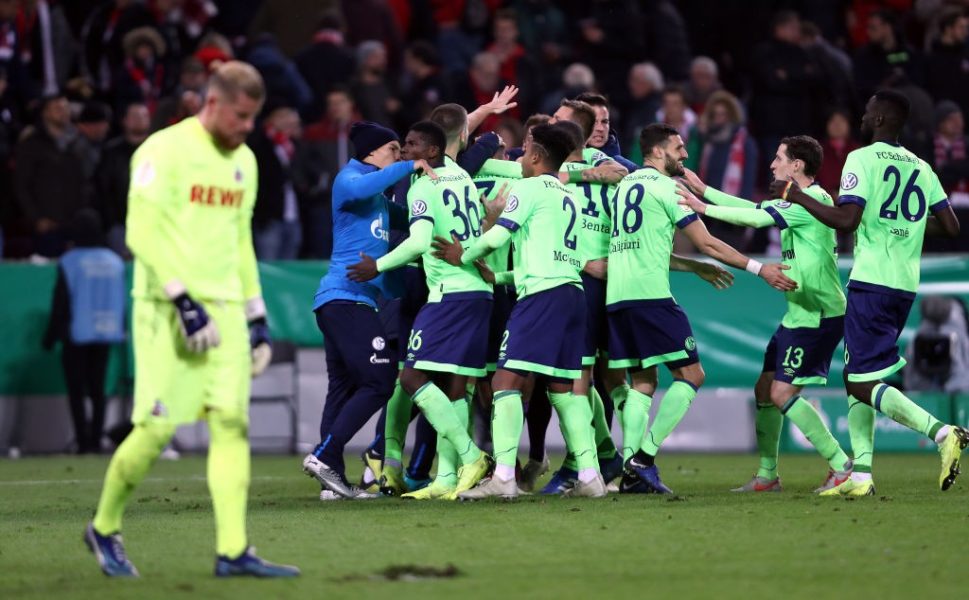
[84,82]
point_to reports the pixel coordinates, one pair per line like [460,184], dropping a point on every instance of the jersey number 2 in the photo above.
[569,239]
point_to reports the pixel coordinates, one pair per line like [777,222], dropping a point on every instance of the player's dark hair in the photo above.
[574,131]
[655,134]
[806,149]
[582,114]
[432,133]
[593,99]
[537,119]
[452,118]
[894,107]
[554,142]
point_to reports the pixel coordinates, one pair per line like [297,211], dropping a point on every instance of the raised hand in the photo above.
[786,190]
[694,182]
[421,165]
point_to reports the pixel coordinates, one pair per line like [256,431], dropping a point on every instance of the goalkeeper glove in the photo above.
[259,339]
[198,330]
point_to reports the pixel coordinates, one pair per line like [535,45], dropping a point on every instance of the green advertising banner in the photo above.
[732,327]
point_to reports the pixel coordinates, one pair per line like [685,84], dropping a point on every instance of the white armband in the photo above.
[754,267]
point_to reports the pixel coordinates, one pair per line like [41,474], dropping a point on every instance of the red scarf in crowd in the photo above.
[150,84]
[733,175]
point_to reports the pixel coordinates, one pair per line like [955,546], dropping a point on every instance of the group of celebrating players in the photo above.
[585,304]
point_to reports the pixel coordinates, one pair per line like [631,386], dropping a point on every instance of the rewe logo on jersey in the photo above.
[214,195]
[377,229]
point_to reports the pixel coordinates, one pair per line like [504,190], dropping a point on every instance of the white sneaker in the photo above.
[490,488]
[331,480]
[589,489]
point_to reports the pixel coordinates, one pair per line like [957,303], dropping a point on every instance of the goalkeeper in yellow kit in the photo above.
[199,321]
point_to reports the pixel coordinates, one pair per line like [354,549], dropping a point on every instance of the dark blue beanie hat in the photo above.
[368,136]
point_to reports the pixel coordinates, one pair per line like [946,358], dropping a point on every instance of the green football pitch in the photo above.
[908,541]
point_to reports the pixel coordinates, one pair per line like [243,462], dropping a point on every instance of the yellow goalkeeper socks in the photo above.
[228,478]
[131,461]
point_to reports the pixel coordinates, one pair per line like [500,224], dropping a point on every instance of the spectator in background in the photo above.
[645,92]
[186,99]
[785,83]
[372,92]
[112,176]
[836,88]
[327,62]
[836,144]
[46,46]
[9,130]
[704,80]
[725,156]
[102,38]
[277,233]
[291,22]
[543,31]
[674,111]
[947,63]
[92,123]
[374,20]
[480,85]
[326,149]
[949,158]
[87,317]
[666,38]
[517,68]
[49,179]
[280,74]
[576,79]
[886,59]
[610,41]
[141,77]
[423,87]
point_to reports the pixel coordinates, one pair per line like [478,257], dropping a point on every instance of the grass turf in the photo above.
[908,541]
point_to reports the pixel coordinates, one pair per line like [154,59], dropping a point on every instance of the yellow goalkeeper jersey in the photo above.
[189,215]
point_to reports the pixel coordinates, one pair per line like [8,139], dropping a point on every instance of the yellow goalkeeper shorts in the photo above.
[177,386]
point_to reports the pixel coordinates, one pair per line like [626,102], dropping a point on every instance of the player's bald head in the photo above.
[233,78]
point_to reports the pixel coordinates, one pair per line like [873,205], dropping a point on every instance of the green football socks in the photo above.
[861,429]
[129,465]
[768,423]
[575,416]
[807,419]
[507,419]
[447,455]
[437,407]
[395,427]
[635,415]
[893,403]
[605,447]
[675,403]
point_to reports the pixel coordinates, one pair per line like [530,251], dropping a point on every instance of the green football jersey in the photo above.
[451,203]
[594,218]
[543,217]
[645,214]
[897,191]
[489,180]
[810,249]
